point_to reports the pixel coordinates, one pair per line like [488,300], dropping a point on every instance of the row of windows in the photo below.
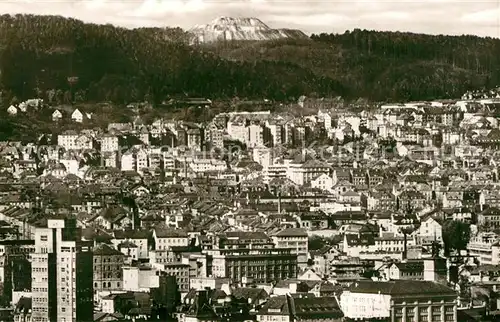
[109,259]
[40,289]
[425,318]
[40,309]
[106,285]
[108,275]
[39,269]
[40,300]
[107,268]
[40,259]
[43,279]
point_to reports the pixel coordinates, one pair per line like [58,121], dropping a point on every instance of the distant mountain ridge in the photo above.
[229,28]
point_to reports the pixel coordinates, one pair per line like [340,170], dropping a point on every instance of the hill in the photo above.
[59,59]
[384,65]
[53,57]
[228,28]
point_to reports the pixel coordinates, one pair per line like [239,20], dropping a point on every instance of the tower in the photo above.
[62,273]
[435,267]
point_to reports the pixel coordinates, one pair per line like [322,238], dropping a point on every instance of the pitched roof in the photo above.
[401,287]
[170,233]
[105,250]
[292,232]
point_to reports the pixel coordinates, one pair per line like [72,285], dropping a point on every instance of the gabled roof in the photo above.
[411,266]
[292,232]
[170,233]
[401,287]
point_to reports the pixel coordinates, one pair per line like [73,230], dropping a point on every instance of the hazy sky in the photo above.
[427,16]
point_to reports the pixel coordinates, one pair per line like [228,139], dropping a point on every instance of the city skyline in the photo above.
[480,18]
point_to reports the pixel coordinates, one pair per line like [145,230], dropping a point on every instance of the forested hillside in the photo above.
[41,53]
[385,65]
[58,58]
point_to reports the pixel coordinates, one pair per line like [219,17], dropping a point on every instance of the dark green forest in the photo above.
[39,54]
[58,59]
[385,66]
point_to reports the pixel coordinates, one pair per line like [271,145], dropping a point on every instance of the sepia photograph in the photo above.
[249,160]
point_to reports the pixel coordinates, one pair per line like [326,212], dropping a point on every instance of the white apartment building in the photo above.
[237,130]
[142,160]
[296,239]
[140,279]
[62,273]
[68,140]
[109,143]
[276,170]
[128,162]
[255,136]
[486,247]
[323,182]
[262,156]
[166,238]
[303,173]
[207,165]
[275,130]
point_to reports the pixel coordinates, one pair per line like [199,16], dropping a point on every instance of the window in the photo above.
[44,238]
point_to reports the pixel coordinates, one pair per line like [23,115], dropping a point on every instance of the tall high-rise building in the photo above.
[62,272]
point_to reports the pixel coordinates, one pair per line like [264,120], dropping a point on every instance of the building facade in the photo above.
[61,274]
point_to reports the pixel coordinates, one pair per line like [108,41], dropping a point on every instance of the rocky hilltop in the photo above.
[227,28]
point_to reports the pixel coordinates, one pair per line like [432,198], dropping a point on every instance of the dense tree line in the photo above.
[385,66]
[418,66]
[65,59]
[62,59]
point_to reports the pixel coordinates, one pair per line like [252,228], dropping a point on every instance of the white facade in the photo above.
[56,116]
[142,159]
[109,143]
[12,110]
[276,131]
[207,165]
[237,131]
[137,279]
[485,246]
[128,162]
[255,135]
[77,116]
[52,251]
[365,305]
[68,140]
[323,182]
[430,230]
[262,156]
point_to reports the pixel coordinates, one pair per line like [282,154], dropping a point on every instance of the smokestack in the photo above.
[405,250]
[279,202]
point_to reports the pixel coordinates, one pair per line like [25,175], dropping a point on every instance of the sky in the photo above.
[478,17]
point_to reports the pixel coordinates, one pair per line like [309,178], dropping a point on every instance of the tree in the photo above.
[316,242]
[456,235]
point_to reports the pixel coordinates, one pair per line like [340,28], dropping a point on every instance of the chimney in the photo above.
[279,202]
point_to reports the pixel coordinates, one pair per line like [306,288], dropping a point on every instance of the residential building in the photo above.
[108,263]
[62,273]
[295,239]
[401,300]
